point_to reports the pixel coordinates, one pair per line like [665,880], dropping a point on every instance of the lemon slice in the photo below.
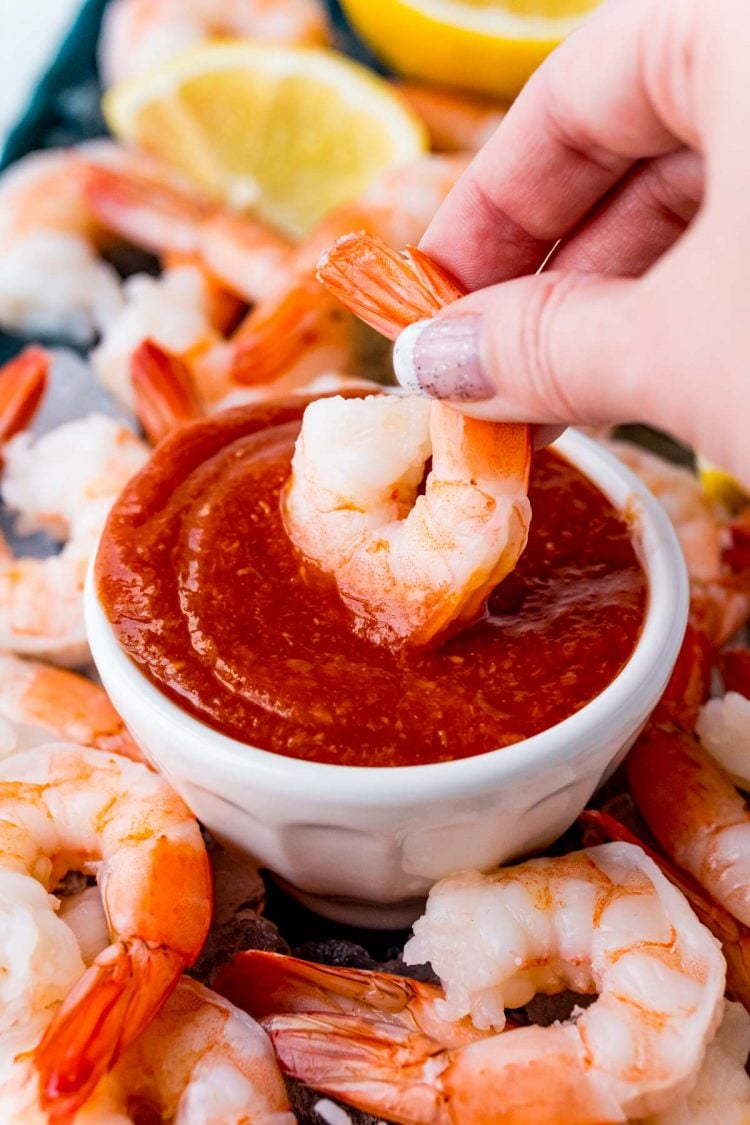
[720,486]
[491,46]
[288,132]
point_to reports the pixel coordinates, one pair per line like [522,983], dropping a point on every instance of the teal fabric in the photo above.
[64,107]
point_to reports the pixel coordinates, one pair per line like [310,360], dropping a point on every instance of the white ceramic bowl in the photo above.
[365,845]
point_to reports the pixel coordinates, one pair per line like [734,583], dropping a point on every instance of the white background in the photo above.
[30,31]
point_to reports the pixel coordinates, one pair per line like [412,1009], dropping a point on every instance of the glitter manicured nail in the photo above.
[442,358]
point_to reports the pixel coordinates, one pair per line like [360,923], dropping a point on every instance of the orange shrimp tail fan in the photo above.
[163,390]
[115,999]
[276,335]
[386,288]
[367,1063]
[23,382]
[264,984]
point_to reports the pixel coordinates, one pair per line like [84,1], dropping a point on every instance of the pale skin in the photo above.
[629,146]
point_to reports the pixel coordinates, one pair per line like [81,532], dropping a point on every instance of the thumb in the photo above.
[553,348]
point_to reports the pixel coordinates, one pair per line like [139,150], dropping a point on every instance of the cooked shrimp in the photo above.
[150,208]
[137,34]
[39,963]
[170,311]
[63,703]
[455,120]
[52,278]
[41,610]
[695,813]
[720,604]
[202,1061]
[723,726]
[299,330]
[604,920]
[64,807]
[733,934]
[165,397]
[408,565]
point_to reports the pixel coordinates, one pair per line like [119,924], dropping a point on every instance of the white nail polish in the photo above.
[442,358]
[403,357]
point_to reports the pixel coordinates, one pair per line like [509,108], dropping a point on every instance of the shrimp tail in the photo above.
[23,382]
[263,983]
[163,391]
[276,336]
[382,1069]
[386,288]
[266,984]
[141,210]
[733,935]
[115,999]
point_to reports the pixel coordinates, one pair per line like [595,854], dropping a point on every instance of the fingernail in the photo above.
[442,358]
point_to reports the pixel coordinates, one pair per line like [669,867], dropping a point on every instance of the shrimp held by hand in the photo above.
[408,565]
[602,920]
[64,807]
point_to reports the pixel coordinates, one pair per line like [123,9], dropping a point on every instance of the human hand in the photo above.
[630,145]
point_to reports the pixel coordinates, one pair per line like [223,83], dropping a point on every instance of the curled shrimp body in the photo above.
[63,703]
[695,813]
[149,207]
[64,807]
[602,920]
[138,34]
[200,1062]
[41,608]
[408,565]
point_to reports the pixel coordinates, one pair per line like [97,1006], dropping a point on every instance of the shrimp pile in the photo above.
[416,512]
[603,920]
[64,806]
[295,333]
[101,990]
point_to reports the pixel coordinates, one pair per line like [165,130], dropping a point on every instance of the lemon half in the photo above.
[289,133]
[491,46]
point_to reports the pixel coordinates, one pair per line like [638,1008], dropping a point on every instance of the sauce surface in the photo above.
[209,597]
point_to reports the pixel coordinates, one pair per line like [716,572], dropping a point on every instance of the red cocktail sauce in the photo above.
[209,597]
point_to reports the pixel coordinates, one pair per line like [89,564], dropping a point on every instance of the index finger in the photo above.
[590,111]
